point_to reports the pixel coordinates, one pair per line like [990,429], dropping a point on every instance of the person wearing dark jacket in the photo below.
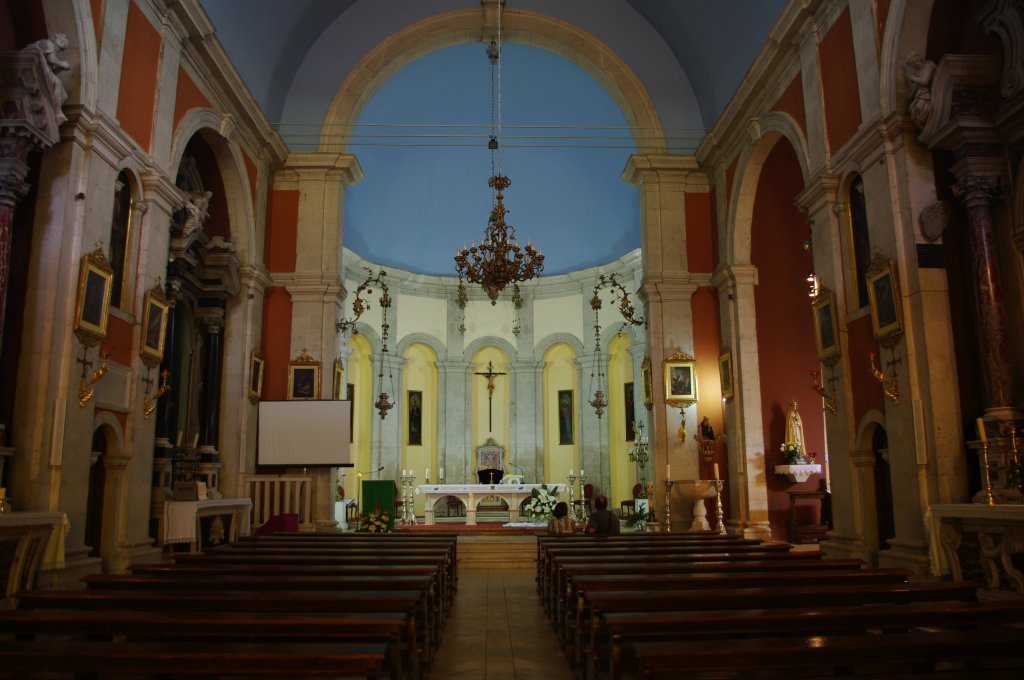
[602,521]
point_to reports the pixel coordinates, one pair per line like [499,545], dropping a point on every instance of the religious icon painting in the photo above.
[725,373]
[415,418]
[304,378]
[826,328]
[255,376]
[154,326]
[680,378]
[350,397]
[565,417]
[94,288]
[648,383]
[883,295]
[339,380]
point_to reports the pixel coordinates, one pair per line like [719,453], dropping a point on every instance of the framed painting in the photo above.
[648,384]
[629,410]
[883,295]
[565,417]
[415,437]
[680,378]
[304,378]
[826,328]
[255,376]
[95,283]
[154,326]
[350,395]
[725,373]
[338,384]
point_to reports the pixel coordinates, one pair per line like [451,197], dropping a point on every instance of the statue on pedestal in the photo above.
[795,429]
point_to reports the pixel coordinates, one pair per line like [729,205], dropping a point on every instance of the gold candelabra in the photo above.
[149,402]
[892,387]
[831,404]
[85,392]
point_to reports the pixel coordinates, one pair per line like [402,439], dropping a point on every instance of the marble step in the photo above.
[497,552]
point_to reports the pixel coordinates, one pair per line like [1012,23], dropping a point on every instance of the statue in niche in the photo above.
[795,428]
[47,49]
[919,74]
[197,206]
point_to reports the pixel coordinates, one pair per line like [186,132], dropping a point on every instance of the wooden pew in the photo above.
[407,602]
[987,653]
[627,628]
[583,585]
[349,660]
[776,597]
[230,627]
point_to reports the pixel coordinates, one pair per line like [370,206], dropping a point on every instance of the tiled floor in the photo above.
[498,631]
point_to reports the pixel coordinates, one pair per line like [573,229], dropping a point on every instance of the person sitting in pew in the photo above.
[602,521]
[561,523]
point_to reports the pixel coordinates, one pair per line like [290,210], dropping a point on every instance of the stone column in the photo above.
[209,405]
[976,192]
[31,115]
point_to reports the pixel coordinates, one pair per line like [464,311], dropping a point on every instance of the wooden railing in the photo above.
[278,495]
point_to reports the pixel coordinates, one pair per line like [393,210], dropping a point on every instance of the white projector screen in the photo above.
[305,433]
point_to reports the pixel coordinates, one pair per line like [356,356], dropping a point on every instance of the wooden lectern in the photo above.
[380,493]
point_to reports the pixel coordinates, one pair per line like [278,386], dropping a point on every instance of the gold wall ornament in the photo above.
[85,391]
[149,402]
[361,302]
[830,404]
[891,387]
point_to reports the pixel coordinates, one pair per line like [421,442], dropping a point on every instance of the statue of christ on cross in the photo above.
[490,374]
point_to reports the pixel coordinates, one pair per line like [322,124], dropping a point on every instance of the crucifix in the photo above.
[490,374]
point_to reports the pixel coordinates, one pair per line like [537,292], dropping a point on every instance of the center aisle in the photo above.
[498,631]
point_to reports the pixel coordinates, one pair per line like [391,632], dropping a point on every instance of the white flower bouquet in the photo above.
[541,506]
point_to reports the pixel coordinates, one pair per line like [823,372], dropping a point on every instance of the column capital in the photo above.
[727,278]
[314,166]
[31,95]
[666,169]
[975,190]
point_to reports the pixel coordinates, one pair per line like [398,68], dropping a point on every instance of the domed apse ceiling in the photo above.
[424,196]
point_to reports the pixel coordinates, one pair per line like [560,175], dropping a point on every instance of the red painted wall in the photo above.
[707,345]
[276,342]
[138,77]
[699,235]
[839,82]
[282,231]
[881,15]
[867,392]
[792,103]
[119,340]
[97,18]
[785,329]
[187,97]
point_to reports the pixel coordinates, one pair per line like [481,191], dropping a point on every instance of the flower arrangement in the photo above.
[792,455]
[376,522]
[541,506]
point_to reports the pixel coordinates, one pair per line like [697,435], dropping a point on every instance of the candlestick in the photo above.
[426,474]
[981,431]
[986,492]
[719,512]
[668,506]
[716,470]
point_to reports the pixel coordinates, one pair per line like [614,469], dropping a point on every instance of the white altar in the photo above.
[473,494]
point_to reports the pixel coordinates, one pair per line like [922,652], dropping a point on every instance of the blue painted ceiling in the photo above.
[425,190]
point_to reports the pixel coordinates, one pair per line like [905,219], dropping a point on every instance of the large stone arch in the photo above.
[440,351]
[490,341]
[452,28]
[769,130]
[549,341]
[233,173]
[75,20]
[906,31]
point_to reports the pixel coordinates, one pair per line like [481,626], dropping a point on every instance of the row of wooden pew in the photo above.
[294,605]
[702,605]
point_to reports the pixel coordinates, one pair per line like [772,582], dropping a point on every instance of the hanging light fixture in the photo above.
[384,402]
[499,259]
[597,401]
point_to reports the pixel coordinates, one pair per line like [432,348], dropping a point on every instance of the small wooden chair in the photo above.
[630,503]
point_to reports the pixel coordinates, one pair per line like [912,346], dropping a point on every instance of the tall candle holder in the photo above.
[986,493]
[572,482]
[719,511]
[668,507]
[408,512]
[583,515]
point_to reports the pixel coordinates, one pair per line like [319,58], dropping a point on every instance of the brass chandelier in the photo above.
[499,259]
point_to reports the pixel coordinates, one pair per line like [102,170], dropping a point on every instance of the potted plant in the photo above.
[640,519]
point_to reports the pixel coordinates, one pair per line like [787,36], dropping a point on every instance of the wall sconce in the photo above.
[149,402]
[812,285]
[893,389]
[831,404]
[85,392]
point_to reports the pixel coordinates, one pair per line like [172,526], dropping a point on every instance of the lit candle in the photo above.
[440,473]
[581,472]
[426,474]
[668,471]
[981,431]
[716,470]
[570,472]
[180,433]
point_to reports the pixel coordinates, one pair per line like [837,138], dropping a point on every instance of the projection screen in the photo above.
[304,433]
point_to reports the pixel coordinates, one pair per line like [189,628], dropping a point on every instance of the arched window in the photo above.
[120,232]
[860,240]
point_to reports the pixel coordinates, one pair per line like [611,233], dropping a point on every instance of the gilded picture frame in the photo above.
[255,376]
[338,384]
[826,326]
[725,373]
[155,308]
[304,378]
[648,383]
[680,379]
[95,283]
[884,298]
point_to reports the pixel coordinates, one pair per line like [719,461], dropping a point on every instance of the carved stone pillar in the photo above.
[976,192]
[209,400]
[30,115]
